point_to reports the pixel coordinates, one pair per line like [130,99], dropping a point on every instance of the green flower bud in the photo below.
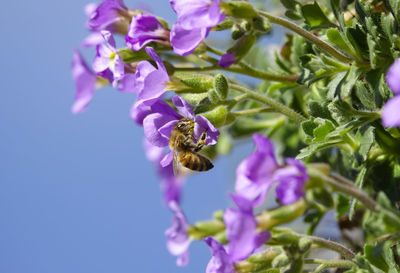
[238,9]
[230,118]
[237,31]
[221,86]
[201,83]
[304,244]
[224,145]
[280,261]
[286,237]
[219,214]
[221,237]
[263,257]
[213,96]
[207,228]
[226,24]
[216,116]
[246,26]
[261,24]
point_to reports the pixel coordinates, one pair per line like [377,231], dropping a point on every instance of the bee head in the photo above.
[185,126]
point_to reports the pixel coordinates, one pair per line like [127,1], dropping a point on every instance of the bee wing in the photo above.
[175,162]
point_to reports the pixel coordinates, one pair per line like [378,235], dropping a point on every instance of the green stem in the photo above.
[326,264]
[253,111]
[351,190]
[277,106]
[309,36]
[196,69]
[344,251]
[253,72]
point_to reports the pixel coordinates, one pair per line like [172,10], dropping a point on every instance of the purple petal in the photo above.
[202,124]
[139,111]
[143,69]
[393,77]
[391,112]
[227,60]
[145,28]
[90,8]
[153,54]
[105,15]
[127,83]
[186,41]
[183,107]
[291,180]
[167,159]
[177,237]
[109,39]
[220,261]
[94,39]
[151,124]
[85,83]
[167,128]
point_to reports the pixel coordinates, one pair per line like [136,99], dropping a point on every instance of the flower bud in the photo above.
[219,214]
[261,24]
[246,26]
[285,237]
[201,83]
[206,228]
[213,96]
[129,56]
[237,31]
[263,257]
[238,9]
[280,261]
[304,244]
[226,24]
[224,145]
[221,86]
[217,116]
[230,118]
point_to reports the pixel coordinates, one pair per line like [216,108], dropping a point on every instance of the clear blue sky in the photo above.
[76,192]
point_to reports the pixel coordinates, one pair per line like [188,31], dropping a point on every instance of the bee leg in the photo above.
[201,142]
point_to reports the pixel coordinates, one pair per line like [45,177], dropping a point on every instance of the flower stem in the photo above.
[196,69]
[277,106]
[326,264]
[253,72]
[253,111]
[339,186]
[344,251]
[309,36]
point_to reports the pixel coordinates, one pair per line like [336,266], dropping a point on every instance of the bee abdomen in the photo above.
[194,161]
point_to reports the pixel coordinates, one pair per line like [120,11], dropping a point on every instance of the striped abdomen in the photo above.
[194,161]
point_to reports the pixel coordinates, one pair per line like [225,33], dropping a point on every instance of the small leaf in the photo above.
[374,254]
[372,55]
[293,15]
[289,4]
[324,128]
[335,37]
[315,17]
[335,85]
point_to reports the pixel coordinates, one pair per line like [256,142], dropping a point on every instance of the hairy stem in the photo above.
[309,36]
[326,264]
[253,111]
[344,251]
[277,106]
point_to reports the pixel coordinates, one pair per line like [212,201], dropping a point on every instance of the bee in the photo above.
[183,142]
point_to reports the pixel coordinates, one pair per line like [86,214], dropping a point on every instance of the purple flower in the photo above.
[220,261]
[391,110]
[159,124]
[149,84]
[145,28]
[178,240]
[241,230]
[256,174]
[85,83]
[170,184]
[195,20]
[227,60]
[110,15]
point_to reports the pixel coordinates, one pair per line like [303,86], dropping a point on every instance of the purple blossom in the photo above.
[195,20]
[110,15]
[227,60]
[159,124]
[85,83]
[391,110]
[241,229]
[170,184]
[220,261]
[150,84]
[178,240]
[145,28]
[256,174]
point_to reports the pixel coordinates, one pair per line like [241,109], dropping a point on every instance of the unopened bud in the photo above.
[208,228]
[230,118]
[226,24]
[238,9]
[213,96]
[280,261]
[245,25]
[304,244]
[219,214]
[201,83]
[221,86]
[261,24]
[285,238]
[216,116]
[237,31]
[130,56]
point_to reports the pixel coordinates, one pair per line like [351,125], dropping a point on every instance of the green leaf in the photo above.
[335,85]
[325,126]
[360,183]
[350,81]
[319,110]
[293,15]
[372,55]
[335,5]
[290,4]
[358,39]
[313,148]
[374,254]
[362,263]
[365,95]
[336,38]
[342,205]
[315,17]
